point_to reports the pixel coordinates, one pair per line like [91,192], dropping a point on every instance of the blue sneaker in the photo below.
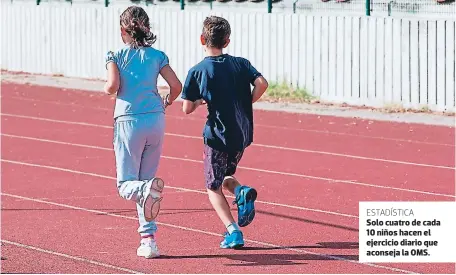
[245,199]
[233,240]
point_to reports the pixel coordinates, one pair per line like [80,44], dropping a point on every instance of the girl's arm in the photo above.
[175,86]
[113,83]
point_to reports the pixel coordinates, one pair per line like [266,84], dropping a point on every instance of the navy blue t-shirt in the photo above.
[224,82]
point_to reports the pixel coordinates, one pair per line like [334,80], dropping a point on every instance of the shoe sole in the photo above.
[151,206]
[148,256]
[236,246]
[250,198]
[233,246]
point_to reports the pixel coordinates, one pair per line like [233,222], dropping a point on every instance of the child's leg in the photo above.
[150,159]
[154,126]
[230,183]
[136,166]
[221,206]
[245,196]
[215,164]
[128,147]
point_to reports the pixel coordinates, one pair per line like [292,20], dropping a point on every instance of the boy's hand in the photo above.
[200,102]
[189,106]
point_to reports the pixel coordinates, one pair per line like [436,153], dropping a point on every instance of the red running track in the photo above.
[311,171]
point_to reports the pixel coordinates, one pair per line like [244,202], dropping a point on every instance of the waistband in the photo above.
[138,116]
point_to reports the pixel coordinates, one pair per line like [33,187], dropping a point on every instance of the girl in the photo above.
[139,120]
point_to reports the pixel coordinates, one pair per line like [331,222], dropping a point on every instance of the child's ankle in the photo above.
[150,236]
[232,227]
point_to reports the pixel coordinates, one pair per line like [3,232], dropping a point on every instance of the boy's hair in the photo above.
[136,23]
[216,31]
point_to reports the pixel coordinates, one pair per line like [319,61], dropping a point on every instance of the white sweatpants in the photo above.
[138,144]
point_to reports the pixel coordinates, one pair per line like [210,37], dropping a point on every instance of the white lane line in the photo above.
[254,144]
[327,180]
[355,157]
[57,121]
[114,196]
[176,188]
[217,235]
[80,259]
[256,124]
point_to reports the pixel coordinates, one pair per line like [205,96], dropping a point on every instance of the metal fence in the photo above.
[408,8]
[398,8]
[414,7]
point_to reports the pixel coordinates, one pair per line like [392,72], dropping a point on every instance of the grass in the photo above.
[284,93]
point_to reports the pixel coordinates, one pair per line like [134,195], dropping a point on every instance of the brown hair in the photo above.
[216,31]
[136,23]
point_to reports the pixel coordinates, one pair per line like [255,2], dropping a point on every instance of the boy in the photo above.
[223,82]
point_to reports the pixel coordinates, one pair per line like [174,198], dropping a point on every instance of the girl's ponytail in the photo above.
[136,23]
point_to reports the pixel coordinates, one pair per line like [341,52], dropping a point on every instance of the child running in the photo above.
[223,83]
[139,119]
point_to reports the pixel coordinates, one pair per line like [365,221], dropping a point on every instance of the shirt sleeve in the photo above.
[164,61]
[253,73]
[110,57]
[191,89]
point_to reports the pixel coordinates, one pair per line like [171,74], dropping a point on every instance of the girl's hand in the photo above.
[166,101]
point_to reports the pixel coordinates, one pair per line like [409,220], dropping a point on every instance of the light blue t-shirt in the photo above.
[139,70]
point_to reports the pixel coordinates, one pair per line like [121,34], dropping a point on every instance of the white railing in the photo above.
[372,61]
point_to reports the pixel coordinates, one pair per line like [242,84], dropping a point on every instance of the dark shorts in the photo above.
[218,165]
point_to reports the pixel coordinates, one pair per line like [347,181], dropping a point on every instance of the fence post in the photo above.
[269,6]
[368,7]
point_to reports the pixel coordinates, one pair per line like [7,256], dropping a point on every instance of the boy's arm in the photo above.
[189,106]
[191,95]
[260,85]
[258,81]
